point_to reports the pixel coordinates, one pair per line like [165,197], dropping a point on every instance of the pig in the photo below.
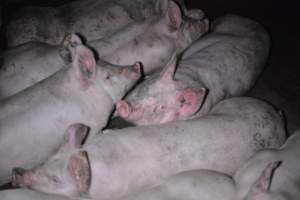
[18,194]
[36,118]
[94,19]
[125,161]
[151,42]
[224,63]
[190,185]
[27,64]
[272,173]
[154,40]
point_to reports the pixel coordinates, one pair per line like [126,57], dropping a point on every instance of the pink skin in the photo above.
[261,188]
[176,100]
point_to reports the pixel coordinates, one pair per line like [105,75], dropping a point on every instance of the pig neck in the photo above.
[198,63]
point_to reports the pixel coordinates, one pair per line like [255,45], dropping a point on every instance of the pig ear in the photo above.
[68,46]
[190,101]
[170,68]
[174,15]
[84,64]
[263,183]
[80,171]
[75,135]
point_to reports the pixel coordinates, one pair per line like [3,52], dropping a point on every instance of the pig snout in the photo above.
[123,109]
[22,178]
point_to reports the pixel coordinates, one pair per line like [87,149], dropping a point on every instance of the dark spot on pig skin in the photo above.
[258,141]
[135,42]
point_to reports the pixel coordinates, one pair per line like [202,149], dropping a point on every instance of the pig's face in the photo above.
[60,175]
[117,80]
[160,99]
[183,29]
[67,172]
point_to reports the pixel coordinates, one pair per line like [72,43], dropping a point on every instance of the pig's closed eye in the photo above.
[55,179]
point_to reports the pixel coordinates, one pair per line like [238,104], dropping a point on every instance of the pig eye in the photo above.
[159,108]
[55,179]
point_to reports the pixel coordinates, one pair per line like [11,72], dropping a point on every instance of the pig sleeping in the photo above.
[126,161]
[222,64]
[151,41]
[37,117]
[93,18]
[27,64]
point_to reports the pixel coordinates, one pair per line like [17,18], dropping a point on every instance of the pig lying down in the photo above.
[27,64]
[129,160]
[151,41]
[222,64]
[38,116]
[189,185]
[93,18]
[23,194]
[271,174]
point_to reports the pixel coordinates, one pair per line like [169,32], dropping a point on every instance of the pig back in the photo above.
[222,141]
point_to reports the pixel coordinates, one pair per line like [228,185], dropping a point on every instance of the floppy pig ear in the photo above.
[174,15]
[68,46]
[75,135]
[80,171]
[84,64]
[263,183]
[190,101]
[168,72]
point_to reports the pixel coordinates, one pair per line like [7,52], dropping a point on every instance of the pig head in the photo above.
[72,177]
[161,98]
